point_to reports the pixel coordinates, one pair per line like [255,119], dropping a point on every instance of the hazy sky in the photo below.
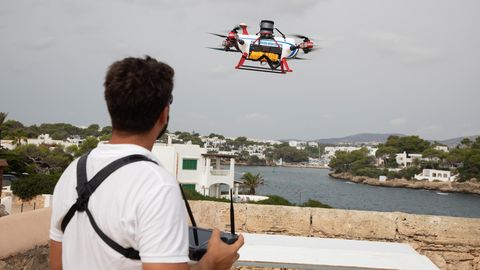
[402,66]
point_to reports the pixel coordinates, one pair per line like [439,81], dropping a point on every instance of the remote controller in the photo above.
[198,237]
[196,251]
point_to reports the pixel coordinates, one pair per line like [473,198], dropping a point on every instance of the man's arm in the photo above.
[219,256]
[55,255]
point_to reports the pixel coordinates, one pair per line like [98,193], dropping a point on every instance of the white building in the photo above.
[441,148]
[330,151]
[300,145]
[405,160]
[313,144]
[196,169]
[439,175]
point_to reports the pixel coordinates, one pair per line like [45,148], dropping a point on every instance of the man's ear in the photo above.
[163,119]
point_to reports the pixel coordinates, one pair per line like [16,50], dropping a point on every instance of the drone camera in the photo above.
[266,28]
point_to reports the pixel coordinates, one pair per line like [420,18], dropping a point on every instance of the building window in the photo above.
[189,164]
[188,186]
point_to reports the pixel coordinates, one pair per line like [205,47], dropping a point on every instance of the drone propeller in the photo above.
[301,36]
[300,58]
[218,35]
[305,38]
[222,49]
[236,28]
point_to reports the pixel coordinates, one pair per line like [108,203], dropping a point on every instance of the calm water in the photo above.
[300,184]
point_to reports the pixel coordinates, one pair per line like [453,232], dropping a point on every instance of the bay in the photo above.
[300,184]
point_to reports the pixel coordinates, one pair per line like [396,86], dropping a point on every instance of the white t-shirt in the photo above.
[138,206]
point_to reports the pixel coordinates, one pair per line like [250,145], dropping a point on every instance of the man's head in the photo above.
[137,91]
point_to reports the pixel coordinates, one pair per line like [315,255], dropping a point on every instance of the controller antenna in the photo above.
[232,214]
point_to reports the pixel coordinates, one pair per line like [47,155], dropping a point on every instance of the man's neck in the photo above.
[145,140]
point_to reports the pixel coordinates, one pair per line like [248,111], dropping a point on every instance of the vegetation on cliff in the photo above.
[464,159]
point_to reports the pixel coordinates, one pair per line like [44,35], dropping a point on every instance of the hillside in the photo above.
[358,138]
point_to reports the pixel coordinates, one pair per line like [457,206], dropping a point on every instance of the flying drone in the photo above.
[264,47]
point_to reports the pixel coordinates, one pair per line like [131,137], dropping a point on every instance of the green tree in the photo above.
[43,159]
[93,130]
[290,154]
[355,162]
[252,181]
[87,145]
[3,116]
[255,161]
[409,144]
[29,186]
[466,142]
[12,129]
[72,150]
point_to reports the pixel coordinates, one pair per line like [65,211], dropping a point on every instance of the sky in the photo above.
[386,66]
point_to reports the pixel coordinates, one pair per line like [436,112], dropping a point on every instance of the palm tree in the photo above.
[3,116]
[252,181]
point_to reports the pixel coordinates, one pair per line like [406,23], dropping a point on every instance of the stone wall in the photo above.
[450,242]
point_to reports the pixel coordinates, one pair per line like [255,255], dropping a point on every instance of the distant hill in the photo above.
[455,141]
[358,138]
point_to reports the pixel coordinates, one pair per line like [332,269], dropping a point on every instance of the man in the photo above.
[139,205]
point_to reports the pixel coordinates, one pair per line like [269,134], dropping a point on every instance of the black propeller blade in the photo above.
[300,58]
[301,36]
[218,35]
[305,38]
[222,49]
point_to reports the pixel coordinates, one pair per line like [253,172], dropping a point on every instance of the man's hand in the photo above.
[219,256]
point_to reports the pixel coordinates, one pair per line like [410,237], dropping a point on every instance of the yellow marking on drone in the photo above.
[256,55]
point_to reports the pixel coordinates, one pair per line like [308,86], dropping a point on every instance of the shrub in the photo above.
[195,196]
[314,203]
[30,186]
[369,172]
[274,200]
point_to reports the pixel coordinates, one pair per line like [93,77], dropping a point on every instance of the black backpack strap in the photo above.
[86,188]
[130,253]
[81,179]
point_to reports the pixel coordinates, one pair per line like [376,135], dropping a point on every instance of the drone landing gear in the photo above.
[242,60]
[284,68]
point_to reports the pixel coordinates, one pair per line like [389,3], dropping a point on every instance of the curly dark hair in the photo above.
[137,90]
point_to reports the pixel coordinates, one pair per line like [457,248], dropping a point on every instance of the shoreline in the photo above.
[285,166]
[452,187]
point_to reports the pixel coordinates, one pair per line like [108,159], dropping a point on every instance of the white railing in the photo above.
[220,172]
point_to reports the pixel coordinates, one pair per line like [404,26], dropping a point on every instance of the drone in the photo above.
[264,47]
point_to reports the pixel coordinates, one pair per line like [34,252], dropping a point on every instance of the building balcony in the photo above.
[220,172]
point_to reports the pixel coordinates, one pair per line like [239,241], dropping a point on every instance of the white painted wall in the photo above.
[432,175]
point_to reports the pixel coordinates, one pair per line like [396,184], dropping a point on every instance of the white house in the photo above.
[300,145]
[405,160]
[312,144]
[330,151]
[196,169]
[441,148]
[439,175]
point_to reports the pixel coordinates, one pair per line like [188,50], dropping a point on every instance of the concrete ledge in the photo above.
[22,232]
[450,242]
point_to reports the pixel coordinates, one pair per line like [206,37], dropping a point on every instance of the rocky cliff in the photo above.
[464,187]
